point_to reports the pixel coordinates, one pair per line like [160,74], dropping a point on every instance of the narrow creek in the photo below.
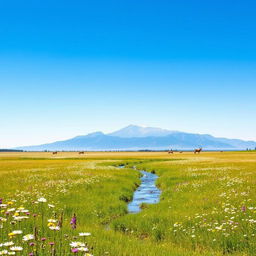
[147,192]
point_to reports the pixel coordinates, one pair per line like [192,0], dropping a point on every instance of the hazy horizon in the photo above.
[110,132]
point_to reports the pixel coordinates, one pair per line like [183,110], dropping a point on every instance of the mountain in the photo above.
[137,138]
[134,131]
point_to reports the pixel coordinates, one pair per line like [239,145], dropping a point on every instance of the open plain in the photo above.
[72,204]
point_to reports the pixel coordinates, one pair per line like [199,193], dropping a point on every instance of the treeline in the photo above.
[10,150]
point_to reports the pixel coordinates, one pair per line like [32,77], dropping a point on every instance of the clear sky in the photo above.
[68,68]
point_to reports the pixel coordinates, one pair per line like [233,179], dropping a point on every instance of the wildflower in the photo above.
[77,244]
[11,235]
[24,211]
[83,249]
[243,208]
[43,239]
[56,228]
[51,206]
[7,244]
[219,228]
[42,200]
[74,250]
[17,232]
[84,234]
[28,237]
[20,218]
[20,208]
[11,209]
[52,220]
[16,248]
[73,222]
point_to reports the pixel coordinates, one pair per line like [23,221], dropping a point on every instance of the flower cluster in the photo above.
[35,232]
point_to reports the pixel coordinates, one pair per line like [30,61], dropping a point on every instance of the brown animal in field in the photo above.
[54,152]
[181,151]
[81,153]
[197,150]
[170,151]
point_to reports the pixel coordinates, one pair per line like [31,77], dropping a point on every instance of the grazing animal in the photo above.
[170,151]
[197,150]
[54,152]
[81,152]
[181,151]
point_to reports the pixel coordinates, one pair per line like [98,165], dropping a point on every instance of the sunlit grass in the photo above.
[207,204]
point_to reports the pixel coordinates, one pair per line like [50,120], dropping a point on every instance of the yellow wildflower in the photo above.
[11,234]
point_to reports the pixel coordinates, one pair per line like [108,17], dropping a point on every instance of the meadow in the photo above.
[71,204]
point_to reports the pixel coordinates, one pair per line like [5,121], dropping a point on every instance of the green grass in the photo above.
[207,204]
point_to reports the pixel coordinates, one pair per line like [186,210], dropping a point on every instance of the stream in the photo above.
[147,192]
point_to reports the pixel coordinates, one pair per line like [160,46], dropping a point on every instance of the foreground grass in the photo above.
[207,206]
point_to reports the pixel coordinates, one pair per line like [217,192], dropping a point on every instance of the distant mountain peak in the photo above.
[134,137]
[93,134]
[135,131]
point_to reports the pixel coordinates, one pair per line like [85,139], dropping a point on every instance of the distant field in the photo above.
[207,206]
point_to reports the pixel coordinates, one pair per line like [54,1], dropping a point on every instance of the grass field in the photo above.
[207,206]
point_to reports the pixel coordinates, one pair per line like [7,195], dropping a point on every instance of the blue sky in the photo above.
[69,68]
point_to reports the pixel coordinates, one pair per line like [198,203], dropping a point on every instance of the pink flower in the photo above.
[73,222]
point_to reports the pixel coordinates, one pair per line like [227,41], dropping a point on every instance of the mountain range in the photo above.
[135,137]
